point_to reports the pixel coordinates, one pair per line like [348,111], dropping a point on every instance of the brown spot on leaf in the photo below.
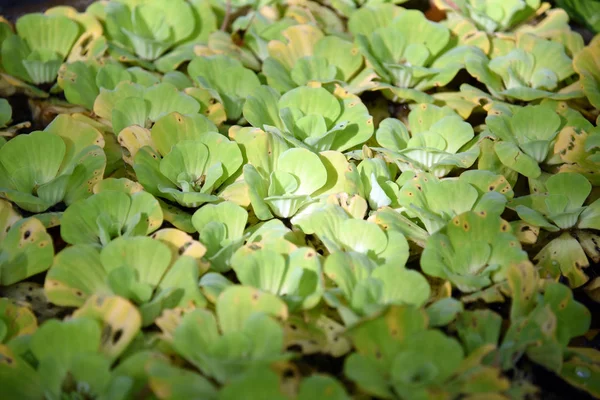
[117,336]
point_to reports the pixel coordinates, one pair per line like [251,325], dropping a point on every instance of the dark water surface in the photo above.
[12,9]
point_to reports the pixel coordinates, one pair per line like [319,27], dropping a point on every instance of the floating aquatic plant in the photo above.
[299,200]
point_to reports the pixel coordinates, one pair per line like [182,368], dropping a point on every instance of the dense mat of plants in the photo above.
[340,199]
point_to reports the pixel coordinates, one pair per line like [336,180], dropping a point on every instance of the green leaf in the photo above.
[401,286]
[233,88]
[368,375]
[306,167]
[342,54]
[581,369]
[472,251]
[147,257]
[309,69]
[237,303]
[107,215]
[179,383]
[444,311]
[119,319]
[392,134]
[586,65]
[16,320]
[43,42]
[564,256]
[256,384]
[585,12]
[572,318]
[590,216]
[165,98]
[29,162]
[64,341]
[78,81]
[575,187]
[511,156]
[232,216]
[523,282]
[107,99]
[381,338]
[26,250]
[68,284]
[420,363]
[479,328]
[321,386]
[5,113]
[261,108]
[17,377]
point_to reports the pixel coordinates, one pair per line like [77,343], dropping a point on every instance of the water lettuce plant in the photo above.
[495,16]
[231,89]
[7,126]
[307,55]
[559,209]
[582,12]
[409,53]
[295,177]
[148,275]
[364,288]
[473,251]
[399,357]
[131,104]
[187,168]
[439,141]
[311,116]
[148,29]
[42,169]
[109,214]
[578,149]
[535,68]
[525,138]
[221,229]
[586,65]
[434,202]
[226,344]
[81,81]
[296,200]
[41,43]
[73,358]
[339,232]
[16,321]
[550,319]
[26,248]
